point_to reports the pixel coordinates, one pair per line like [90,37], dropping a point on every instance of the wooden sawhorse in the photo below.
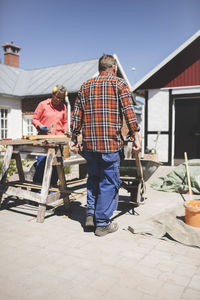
[22,188]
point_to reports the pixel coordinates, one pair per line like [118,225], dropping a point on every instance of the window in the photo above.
[28,127]
[3,123]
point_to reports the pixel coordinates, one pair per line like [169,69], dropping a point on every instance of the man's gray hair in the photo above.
[106,62]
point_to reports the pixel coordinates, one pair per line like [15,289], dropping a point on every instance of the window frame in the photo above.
[4,122]
[28,127]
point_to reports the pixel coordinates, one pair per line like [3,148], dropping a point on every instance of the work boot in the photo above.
[89,222]
[103,230]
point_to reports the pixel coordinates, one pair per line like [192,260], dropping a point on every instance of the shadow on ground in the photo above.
[77,210]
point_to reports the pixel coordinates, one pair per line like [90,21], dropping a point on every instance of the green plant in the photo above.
[13,168]
[67,169]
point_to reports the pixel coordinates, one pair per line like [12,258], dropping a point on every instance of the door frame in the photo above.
[172,112]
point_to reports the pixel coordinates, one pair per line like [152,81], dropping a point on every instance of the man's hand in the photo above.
[74,147]
[136,144]
[67,133]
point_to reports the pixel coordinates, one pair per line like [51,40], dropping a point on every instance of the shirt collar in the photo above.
[104,73]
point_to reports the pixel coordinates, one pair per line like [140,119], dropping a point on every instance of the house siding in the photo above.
[158,122]
[189,77]
[14,115]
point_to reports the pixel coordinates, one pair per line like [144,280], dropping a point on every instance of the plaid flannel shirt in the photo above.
[99,110]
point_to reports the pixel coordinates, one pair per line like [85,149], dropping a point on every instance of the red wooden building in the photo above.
[172,104]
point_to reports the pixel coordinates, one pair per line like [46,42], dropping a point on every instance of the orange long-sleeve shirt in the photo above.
[45,114]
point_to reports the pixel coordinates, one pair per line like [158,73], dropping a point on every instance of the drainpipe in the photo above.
[68,112]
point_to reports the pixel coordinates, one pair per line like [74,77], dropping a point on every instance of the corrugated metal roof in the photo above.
[18,82]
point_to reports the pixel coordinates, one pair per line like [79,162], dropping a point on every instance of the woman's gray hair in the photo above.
[60,89]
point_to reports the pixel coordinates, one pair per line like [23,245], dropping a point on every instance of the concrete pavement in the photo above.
[58,260]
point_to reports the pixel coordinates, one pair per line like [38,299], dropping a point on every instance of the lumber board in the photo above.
[35,139]
[46,137]
[63,185]
[73,160]
[37,187]
[6,164]
[21,193]
[19,166]
[15,142]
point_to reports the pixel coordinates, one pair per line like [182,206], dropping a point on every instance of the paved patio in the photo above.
[59,260]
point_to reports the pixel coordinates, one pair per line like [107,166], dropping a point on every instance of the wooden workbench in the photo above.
[52,149]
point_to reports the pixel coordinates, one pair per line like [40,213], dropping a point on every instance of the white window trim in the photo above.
[25,125]
[5,108]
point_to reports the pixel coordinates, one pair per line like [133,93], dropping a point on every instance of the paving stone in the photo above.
[181,280]
[190,294]
[170,291]
[195,283]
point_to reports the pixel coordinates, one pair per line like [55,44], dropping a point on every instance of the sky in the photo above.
[54,32]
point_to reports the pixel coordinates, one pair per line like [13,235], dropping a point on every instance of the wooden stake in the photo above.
[188,175]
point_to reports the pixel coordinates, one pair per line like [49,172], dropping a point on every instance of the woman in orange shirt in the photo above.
[50,117]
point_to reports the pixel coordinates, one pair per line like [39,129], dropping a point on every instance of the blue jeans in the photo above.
[102,185]
[39,171]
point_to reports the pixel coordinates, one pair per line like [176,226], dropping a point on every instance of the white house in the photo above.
[172,104]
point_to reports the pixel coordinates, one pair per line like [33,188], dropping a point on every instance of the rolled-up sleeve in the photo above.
[128,110]
[77,116]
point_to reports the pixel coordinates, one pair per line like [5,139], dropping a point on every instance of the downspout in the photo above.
[68,112]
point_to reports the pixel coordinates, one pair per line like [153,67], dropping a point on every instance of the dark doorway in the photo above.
[187,128]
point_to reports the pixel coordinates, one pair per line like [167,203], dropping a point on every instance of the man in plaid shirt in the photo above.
[99,108]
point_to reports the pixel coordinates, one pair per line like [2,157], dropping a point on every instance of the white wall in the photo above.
[158,120]
[14,115]
[161,147]
[158,110]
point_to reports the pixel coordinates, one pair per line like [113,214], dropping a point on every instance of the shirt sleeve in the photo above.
[37,115]
[77,116]
[128,109]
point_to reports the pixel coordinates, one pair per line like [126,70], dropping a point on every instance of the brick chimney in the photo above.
[11,54]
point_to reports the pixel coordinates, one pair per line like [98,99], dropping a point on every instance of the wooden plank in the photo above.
[47,137]
[19,166]
[36,139]
[54,197]
[45,185]
[5,168]
[32,196]
[15,142]
[139,166]
[21,193]
[61,176]
[35,187]
[30,148]
[6,164]
[74,161]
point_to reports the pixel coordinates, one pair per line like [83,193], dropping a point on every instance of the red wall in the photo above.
[189,77]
